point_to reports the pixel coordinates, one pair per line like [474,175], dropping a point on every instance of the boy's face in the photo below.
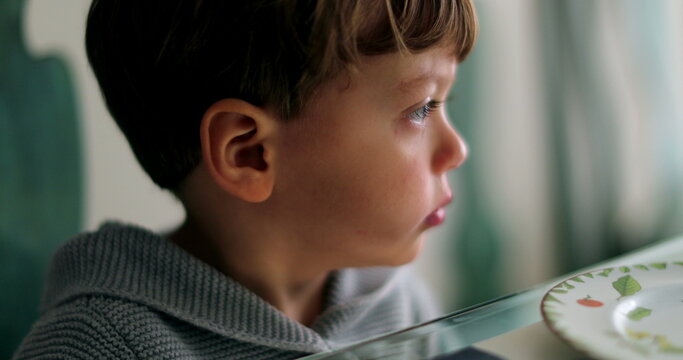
[361,174]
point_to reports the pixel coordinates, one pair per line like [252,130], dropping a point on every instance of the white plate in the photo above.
[627,312]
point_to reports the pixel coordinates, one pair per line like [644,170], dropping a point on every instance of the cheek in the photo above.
[392,200]
[410,188]
[365,185]
[381,199]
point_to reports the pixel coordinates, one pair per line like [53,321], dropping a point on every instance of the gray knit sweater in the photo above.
[127,293]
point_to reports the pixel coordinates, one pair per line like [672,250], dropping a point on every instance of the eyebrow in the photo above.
[406,85]
[409,84]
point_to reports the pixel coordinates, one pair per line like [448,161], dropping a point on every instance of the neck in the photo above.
[259,264]
[251,245]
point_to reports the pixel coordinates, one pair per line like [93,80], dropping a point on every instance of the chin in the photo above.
[397,254]
[407,254]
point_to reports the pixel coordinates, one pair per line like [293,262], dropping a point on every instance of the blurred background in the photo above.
[573,110]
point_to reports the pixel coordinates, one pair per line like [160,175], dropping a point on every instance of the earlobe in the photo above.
[237,148]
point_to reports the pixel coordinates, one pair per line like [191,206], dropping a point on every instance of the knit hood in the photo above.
[138,265]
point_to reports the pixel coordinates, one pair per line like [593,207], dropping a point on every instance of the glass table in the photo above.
[480,325]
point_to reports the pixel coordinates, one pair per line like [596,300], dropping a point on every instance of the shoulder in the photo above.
[81,329]
[103,327]
[421,300]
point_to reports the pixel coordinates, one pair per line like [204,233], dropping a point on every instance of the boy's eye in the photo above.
[418,116]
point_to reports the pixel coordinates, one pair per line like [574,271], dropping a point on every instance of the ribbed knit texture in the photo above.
[124,292]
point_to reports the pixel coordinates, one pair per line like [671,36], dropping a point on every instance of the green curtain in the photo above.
[575,76]
[582,137]
[476,249]
[653,34]
[573,79]
[41,186]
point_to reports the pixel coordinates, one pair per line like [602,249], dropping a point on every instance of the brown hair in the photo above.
[162,63]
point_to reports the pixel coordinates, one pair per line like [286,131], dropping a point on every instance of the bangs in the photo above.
[343,31]
[418,24]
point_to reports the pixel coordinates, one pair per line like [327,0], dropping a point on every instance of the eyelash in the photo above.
[418,116]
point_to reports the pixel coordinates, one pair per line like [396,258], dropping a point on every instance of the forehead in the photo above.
[404,72]
[389,79]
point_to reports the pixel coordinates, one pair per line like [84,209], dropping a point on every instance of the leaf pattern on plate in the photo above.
[637,335]
[639,313]
[560,310]
[626,286]
[665,346]
[605,272]
[552,298]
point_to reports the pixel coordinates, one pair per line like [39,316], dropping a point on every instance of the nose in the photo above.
[451,150]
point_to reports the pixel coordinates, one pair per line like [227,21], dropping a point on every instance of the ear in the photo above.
[236,140]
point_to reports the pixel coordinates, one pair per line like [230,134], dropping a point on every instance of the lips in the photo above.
[436,217]
[439,215]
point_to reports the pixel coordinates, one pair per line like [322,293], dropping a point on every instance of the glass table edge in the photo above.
[531,299]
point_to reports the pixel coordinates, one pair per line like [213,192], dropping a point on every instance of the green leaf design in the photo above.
[589,275]
[624,269]
[605,272]
[559,291]
[626,285]
[568,285]
[638,335]
[641,267]
[577,279]
[552,298]
[667,347]
[660,266]
[639,313]
[671,350]
[679,263]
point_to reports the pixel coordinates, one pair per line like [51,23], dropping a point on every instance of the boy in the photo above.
[306,142]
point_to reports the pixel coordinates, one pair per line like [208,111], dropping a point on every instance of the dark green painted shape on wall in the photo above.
[41,186]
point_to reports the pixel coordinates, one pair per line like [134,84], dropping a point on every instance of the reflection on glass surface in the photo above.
[468,326]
